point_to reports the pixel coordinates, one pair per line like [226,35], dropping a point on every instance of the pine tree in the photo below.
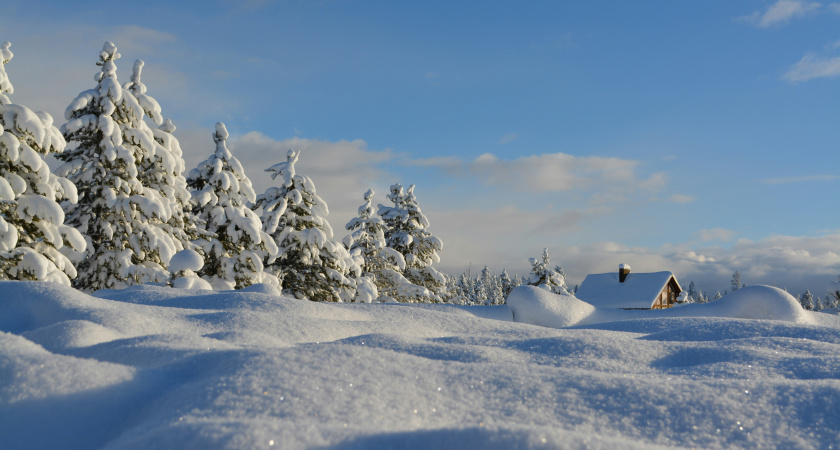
[507,283]
[736,281]
[311,265]
[407,232]
[542,275]
[162,171]
[32,230]
[120,218]
[717,295]
[233,256]
[807,300]
[381,263]
[692,293]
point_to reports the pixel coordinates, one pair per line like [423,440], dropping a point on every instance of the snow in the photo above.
[158,367]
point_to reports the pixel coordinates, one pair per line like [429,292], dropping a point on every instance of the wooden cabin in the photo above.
[625,290]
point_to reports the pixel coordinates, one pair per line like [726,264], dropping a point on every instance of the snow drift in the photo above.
[154,367]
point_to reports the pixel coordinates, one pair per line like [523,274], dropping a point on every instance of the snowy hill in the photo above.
[152,367]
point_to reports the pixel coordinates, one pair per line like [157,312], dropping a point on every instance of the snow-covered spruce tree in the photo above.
[807,300]
[310,264]
[406,232]
[32,230]
[382,264]
[235,245]
[122,221]
[162,171]
[544,276]
[736,281]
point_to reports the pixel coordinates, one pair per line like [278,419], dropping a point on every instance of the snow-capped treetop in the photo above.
[285,168]
[234,181]
[138,89]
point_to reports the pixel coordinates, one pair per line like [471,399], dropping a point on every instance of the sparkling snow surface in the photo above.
[154,367]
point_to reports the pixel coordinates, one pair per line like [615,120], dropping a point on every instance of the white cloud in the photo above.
[812,66]
[553,172]
[782,12]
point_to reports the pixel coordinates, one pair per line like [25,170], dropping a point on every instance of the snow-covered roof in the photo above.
[639,290]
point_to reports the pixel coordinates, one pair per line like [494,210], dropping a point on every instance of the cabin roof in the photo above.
[639,290]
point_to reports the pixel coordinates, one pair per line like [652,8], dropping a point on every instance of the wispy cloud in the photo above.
[508,138]
[781,12]
[805,179]
[682,199]
[813,66]
[551,172]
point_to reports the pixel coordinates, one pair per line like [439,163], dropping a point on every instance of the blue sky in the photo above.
[697,137]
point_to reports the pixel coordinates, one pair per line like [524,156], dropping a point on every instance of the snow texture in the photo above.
[157,367]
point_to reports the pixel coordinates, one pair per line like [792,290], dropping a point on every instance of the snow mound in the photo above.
[537,306]
[186,259]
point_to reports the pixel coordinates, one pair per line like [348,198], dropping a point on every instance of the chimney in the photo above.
[623,271]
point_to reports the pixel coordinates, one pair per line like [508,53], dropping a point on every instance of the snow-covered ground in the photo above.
[153,367]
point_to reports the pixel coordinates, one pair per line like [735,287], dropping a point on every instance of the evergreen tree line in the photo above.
[120,211]
[487,288]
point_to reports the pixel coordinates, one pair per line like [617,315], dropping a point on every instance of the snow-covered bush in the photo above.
[542,275]
[184,267]
[32,230]
[406,232]
[122,221]
[235,245]
[310,264]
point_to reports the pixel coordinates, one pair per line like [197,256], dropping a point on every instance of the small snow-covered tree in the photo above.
[311,264]
[236,245]
[717,295]
[120,218]
[807,300]
[382,264]
[407,232]
[736,281]
[692,292]
[506,282]
[544,276]
[32,230]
